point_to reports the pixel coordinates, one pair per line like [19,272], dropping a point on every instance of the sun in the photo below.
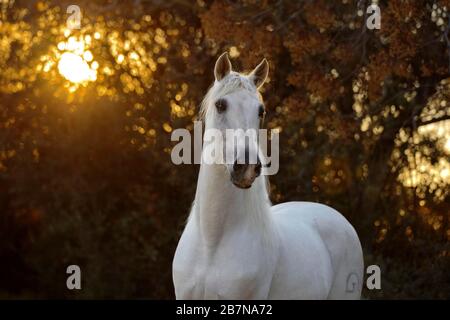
[75,69]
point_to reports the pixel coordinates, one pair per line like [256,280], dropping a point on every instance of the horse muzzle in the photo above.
[243,175]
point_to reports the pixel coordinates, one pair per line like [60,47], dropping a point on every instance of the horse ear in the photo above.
[222,67]
[260,73]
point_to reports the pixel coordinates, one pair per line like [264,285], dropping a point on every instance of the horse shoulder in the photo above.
[327,233]
[304,268]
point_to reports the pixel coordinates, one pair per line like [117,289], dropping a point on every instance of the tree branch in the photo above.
[424,123]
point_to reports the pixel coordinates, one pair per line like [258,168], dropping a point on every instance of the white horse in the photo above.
[235,244]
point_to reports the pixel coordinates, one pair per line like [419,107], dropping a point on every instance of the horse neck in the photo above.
[220,208]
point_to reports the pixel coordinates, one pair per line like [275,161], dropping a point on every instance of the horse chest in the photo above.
[230,271]
[238,276]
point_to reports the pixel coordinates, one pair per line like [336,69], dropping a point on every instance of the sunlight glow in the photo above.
[422,172]
[75,69]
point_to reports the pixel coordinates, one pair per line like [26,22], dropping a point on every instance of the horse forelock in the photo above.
[231,83]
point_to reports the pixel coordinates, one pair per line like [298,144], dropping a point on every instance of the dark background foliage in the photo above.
[85,170]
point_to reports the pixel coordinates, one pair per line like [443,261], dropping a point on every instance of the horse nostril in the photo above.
[237,167]
[258,168]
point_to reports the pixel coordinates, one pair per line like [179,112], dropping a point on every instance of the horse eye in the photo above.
[221,105]
[261,111]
